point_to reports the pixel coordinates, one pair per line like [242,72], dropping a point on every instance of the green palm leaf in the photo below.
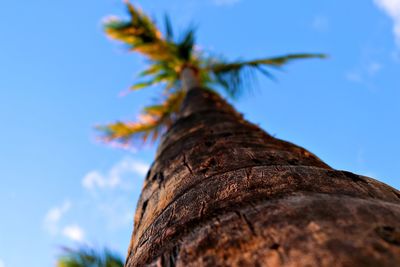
[168,29]
[86,257]
[233,76]
[141,85]
[274,61]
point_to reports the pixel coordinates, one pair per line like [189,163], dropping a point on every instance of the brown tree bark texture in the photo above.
[222,192]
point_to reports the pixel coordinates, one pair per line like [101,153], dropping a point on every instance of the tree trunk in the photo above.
[222,192]
[189,78]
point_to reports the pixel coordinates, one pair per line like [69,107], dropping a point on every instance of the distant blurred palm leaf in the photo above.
[86,257]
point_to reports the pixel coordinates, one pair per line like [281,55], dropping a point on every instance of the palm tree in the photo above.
[221,191]
[87,257]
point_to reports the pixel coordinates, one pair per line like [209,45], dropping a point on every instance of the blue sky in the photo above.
[60,76]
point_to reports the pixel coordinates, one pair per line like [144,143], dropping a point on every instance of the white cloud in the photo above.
[52,223]
[392,9]
[53,216]
[226,2]
[73,232]
[2,264]
[101,205]
[95,179]
[114,177]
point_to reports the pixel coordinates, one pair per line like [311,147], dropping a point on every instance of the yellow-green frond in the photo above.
[140,33]
[152,123]
[141,85]
[151,70]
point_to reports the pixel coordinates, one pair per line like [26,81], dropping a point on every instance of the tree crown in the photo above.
[167,56]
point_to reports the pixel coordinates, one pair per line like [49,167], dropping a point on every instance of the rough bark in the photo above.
[222,192]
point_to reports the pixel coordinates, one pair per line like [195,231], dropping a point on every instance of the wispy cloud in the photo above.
[52,221]
[392,9]
[2,264]
[113,191]
[373,68]
[114,177]
[365,73]
[225,2]
[74,233]
[108,200]
[53,217]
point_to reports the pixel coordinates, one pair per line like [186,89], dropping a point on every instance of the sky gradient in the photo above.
[60,76]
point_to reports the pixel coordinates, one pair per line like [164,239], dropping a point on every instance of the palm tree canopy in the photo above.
[167,57]
[87,257]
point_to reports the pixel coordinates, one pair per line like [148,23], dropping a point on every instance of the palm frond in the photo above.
[140,33]
[185,46]
[141,85]
[151,70]
[233,76]
[273,61]
[169,33]
[282,60]
[152,123]
[86,257]
[166,57]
